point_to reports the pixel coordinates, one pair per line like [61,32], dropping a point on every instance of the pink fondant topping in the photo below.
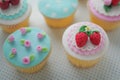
[40,36]
[27,43]
[102,16]
[39,48]
[23,31]
[107,2]
[14,51]
[82,51]
[26,60]
[11,38]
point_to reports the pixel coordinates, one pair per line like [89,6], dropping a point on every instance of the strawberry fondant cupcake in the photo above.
[27,49]
[105,13]
[85,43]
[14,14]
[58,13]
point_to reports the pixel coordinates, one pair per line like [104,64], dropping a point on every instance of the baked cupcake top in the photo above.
[85,41]
[57,8]
[106,9]
[26,47]
[13,11]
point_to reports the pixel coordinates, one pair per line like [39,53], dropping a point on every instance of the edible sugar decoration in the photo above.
[41,49]
[41,35]
[26,43]
[28,59]
[44,49]
[5,4]
[108,4]
[24,30]
[13,52]
[84,33]
[11,38]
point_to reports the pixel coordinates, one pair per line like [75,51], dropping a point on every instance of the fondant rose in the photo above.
[14,51]
[40,36]
[39,48]
[107,2]
[11,38]
[27,43]
[23,31]
[26,60]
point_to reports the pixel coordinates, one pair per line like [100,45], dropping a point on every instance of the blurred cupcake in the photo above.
[105,13]
[27,49]
[85,44]
[14,14]
[58,13]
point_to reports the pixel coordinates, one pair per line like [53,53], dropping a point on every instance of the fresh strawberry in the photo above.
[14,2]
[115,2]
[81,39]
[4,4]
[95,38]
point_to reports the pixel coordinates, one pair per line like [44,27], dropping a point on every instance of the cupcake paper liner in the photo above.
[83,63]
[106,25]
[59,23]
[12,28]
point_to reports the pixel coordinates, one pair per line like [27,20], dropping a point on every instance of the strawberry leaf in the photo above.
[107,8]
[89,33]
[82,29]
[119,3]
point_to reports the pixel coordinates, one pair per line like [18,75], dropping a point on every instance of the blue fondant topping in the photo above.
[16,15]
[57,8]
[23,51]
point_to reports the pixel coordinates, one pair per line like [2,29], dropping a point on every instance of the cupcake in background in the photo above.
[58,13]
[27,49]
[85,44]
[14,14]
[105,13]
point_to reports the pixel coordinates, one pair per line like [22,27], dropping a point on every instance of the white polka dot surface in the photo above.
[62,8]
[58,66]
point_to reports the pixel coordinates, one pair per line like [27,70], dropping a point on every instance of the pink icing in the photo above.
[39,48]
[14,51]
[27,43]
[107,2]
[102,16]
[40,36]
[80,50]
[23,31]
[26,60]
[11,38]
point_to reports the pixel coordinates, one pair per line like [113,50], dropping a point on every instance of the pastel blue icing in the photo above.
[22,51]
[57,8]
[16,15]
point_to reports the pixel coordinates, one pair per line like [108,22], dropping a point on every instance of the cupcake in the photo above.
[14,14]
[85,43]
[105,13]
[58,13]
[27,49]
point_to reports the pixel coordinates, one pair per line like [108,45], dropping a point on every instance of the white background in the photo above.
[58,67]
